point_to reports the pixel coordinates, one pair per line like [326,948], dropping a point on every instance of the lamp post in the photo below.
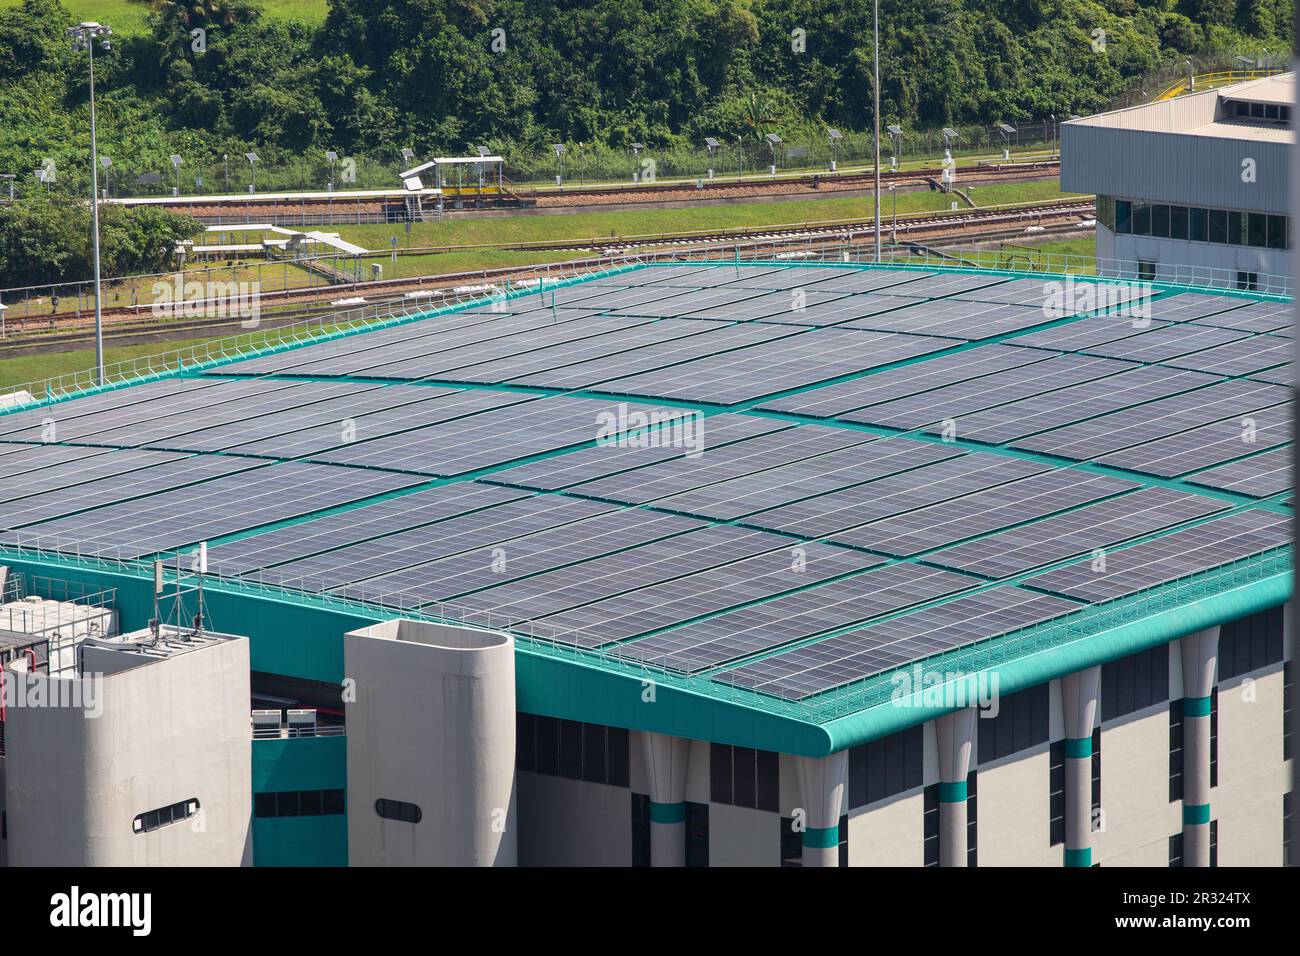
[332,157]
[834,136]
[636,151]
[710,144]
[895,136]
[107,163]
[558,149]
[83,36]
[176,165]
[875,33]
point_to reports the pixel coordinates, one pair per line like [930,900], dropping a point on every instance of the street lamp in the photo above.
[252,162]
[332,157]
[896,135]
[773,141]
[176,165]
[107,163]
[83,37]
[834,136]
[636,151]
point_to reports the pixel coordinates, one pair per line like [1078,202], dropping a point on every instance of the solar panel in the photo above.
[1167,416]
[64,412]
[954,319]
[840,660]
[812,356]
[1261,476]
[1078,335]
[220,506]
[589,464]
[796,306]
[1255,317]
[1074,403]
[1149,563]
[1080,531]
[1282,375]
[1169,342]
[873,280]
[982,511]
[804,277]
[839,511]
[671,602]
[416,510]
[831,400]
[1207,445]
[705,277]
[41,469]
[760,627]
[1187,306]
[939,285]
[22,459]
[965,398]
[1240,357]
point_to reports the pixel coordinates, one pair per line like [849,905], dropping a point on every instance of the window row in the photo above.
[697,832]
[1056,788]
[1176,846]
[298,803]
[155,819]
[1176,746]
[745,777]
[399,810]
[1195,224]
[1135,682]
[569,748]
[931,822]
[1277,112]
[1251,642]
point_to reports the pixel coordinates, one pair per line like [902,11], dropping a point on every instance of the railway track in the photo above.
[287,305]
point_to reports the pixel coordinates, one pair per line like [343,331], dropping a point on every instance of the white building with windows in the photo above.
[1192,189]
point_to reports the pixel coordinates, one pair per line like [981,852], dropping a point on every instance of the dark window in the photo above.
[1277,232]
[744,777]
[1021,723]
[332,801]
[286,804]
[1218,220]
[1250,643]
[309,803]
[1214,737]
[263,804]
[1176,850]
[1106,212]
[1270,111]
[1123,216]
[1056,794]
[298,803]
[1196,225]
[697,834]
[1141,219]
[1177,222]
[1284,113]
[640,829]
[1243,109]
[1256,229]
[1248,281]
[930,822]
[1175,750]
[1288,808]
[569,748]
[398,810]
[1096,778]
[791,843]
[844,841]
[174,813]
[1236,228]
[1288,701]
[1214,843]
[1256,110]
[1146,271]
[1135,682]
[885,767]
[1160,221]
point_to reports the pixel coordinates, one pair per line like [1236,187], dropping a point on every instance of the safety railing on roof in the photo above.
[579,644]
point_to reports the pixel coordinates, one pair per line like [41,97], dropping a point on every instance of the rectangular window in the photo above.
[1177,222]
[930,822]
[1021,723]
[1056,794]
[1288,701]
[791,843]
[972,817]
[1176,851]
[1288,807]
[1146,271]
[1248,281]
[1243,109]
[1236,228]
[1218,220]
[1214,843]
[1196,225]
[573,749]
[1135,682]
[885,767]
[1256,229]
[1277,232]
[1250,643]
[1214,737]
[1141,219]
[1096,778]
[745,777]
[697,834]
[298,803]
[1123,217]
[640,829]
[1175,750]
[1160,221]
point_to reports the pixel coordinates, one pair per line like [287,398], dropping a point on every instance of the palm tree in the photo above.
[758,115]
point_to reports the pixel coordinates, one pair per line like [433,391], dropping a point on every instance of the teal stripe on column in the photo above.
[1077,748]
[667,812]
[952,792]
[1078,857]
[1196,814]
[1196,707]
[821,838]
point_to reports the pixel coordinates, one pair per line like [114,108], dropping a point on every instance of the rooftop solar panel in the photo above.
[831,400]
[1102,524]
[1238,358]
[802,614]
[1207,445]
[874,280]
[954,319]
[802,277]
[1078,335]
[796,306]
[1169,557]
[1188,306]
[1282,375]
[12,421]
[840,660]
[1261,476]
[1254,317]
[1166,343]
[42,469]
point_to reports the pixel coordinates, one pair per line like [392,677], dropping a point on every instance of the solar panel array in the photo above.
[790,478]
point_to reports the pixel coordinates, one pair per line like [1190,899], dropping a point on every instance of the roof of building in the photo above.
[770,488]
[1279,89]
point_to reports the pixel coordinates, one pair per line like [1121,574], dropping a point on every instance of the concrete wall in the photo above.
[1138,818]
[889,832]
[432,723]
[171,730]
[566,822]
[1252,776]
[1014,806]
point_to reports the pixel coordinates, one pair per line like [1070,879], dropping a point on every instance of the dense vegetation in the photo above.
[379,75]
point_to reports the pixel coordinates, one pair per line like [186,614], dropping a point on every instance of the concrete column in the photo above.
[1199,653]
[666,760]
[1079,693]
[822,784]
[956,735]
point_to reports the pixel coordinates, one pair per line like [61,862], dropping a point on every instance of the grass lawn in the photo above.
[32,368]
[637,222]
[127,17]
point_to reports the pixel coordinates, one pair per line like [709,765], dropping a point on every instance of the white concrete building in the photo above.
[1192,189]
